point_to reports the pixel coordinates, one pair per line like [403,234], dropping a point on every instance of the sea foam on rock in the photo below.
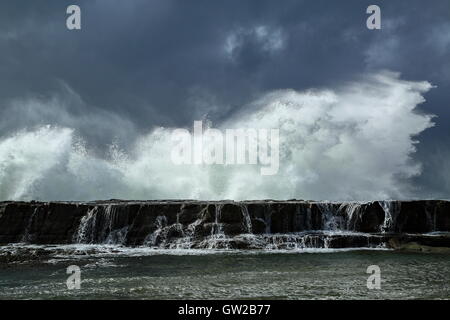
[267,224]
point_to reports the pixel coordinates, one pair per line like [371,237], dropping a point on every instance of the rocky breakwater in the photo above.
[187,224]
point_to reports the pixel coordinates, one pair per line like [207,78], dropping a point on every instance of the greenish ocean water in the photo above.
[110,272]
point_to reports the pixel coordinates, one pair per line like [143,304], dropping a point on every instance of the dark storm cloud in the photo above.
[136,64]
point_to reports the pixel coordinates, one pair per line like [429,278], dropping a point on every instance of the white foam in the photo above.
[82,251]
[350,143]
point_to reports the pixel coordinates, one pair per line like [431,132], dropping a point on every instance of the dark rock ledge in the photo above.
[227,224]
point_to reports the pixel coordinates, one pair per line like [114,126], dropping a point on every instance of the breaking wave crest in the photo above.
[352,143]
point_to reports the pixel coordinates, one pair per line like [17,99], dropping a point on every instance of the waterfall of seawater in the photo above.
[331,221]
[26,236]
[247,220]
[157,236]
[218,237]
[86,227]
[229,225]
[99,225]
[110,234]
[391,210]
[353,212]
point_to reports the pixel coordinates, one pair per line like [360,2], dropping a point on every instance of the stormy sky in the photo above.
[139,64]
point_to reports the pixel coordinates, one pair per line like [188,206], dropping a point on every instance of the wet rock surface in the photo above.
[227,224]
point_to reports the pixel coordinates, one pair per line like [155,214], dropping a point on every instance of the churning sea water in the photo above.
[114,272]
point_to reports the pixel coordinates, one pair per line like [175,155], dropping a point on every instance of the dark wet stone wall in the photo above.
[158,222]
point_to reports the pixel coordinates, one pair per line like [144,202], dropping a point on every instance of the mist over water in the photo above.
[351,143]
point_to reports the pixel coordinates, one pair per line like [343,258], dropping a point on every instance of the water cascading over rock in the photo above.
[187,224]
